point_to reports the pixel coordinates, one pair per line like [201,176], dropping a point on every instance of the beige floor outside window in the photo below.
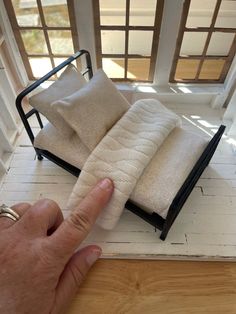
[45,33]
[127,36]
[206,44]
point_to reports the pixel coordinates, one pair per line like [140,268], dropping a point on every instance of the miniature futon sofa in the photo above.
[93,132]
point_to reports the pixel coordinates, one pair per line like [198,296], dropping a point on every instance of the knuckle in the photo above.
[20,205]
[80,220]
[46,202]
[31,217]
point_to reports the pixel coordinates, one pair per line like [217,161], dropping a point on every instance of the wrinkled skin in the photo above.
[40,272]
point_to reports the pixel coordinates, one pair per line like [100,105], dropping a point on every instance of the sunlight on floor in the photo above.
[232,141]
[113,69]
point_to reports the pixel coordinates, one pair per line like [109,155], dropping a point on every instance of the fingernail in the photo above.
[93,256]
[105,184]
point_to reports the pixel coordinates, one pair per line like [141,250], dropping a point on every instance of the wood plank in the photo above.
[224,191]
[24,150]
[208,200]
[40,179]
[42,187]
[33,163]
[212,239]
[131,237]
[215,183]
[61,203]
[22,156]
[167,251]
[181,288]
[212,209]
[217,171]
[35,170]
[223,159]
[33,195]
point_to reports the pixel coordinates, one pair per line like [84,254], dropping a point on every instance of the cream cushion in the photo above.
[94,109]
[167,171]
[70,81]
[70,149]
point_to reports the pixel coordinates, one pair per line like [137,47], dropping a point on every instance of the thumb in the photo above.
[73,275]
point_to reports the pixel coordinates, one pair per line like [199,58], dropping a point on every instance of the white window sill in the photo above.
[202,89]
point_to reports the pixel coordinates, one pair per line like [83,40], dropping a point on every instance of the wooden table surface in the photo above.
[163,287]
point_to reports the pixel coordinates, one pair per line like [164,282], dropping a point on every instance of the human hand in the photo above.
[39,269]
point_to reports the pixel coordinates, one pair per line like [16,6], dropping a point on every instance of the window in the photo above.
[206,44]
[127,35]
[45,33]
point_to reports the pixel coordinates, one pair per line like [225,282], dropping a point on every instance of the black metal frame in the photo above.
[154,219]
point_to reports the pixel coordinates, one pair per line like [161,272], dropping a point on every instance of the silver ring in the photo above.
[8,212]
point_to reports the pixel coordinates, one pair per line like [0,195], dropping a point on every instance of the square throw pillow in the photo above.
[70,81]
[94,109]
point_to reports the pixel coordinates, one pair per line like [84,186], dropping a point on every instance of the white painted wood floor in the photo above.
[205,228]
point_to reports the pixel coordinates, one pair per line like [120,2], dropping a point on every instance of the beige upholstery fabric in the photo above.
[70,149]
[123,154]
[167,171]
[69,82]
[94,109]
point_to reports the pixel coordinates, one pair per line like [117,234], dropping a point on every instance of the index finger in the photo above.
[76,227]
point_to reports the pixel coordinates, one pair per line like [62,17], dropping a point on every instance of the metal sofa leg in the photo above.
[39,156]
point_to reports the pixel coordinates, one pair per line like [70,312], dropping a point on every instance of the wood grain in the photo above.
[163,287]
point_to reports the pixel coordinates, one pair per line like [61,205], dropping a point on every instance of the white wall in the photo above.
[231,110]
[167,41]
[8,115]
[231,115]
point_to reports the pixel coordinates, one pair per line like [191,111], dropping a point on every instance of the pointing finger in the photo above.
[76,227]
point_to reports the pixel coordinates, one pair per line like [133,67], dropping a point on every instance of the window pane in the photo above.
[142,12]
[113,42]
[193,43]
[112,12]
[200,13]
[34,41]
[137,40]
[226,16]
[138,69]
[114,68]
[40,66]
[186,69]
[26,12]
[56,13]
[61,42]
[58,61]
[220,44]
[211,69]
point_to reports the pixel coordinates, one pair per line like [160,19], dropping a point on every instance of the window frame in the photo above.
[126,28]
[209,30]
[17,28]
